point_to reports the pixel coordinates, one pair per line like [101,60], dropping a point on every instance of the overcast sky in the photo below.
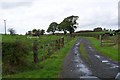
[24,15]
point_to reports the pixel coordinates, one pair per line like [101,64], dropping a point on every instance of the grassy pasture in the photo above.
[109,51]
[51,67]
[43,68]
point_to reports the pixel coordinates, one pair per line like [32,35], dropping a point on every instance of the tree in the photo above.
[42,32]
[104,29]
[12,31]
[52,27]
[63,27]
[29,32]
[110,30]
[117,31]
[97,29]
[69,24]
[36,32]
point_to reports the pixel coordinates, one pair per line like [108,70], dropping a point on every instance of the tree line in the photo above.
[36,32]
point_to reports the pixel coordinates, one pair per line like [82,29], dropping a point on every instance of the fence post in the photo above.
[56,44]
[62,42]
[49,52]
[43,55]
[100,40]
[35,51]
[52,46]
[59,43]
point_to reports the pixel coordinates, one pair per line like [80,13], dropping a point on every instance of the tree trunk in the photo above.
[53,33]
[70,32]
[65,32]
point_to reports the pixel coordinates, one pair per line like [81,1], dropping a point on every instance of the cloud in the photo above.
[8,4]
[14,4]
[26,15]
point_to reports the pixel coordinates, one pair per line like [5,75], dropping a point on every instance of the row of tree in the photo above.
[36,32]
[98,29]
[68,24]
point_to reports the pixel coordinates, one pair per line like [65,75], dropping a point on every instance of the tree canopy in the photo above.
[12,31]
[36,32]
[52,27]
[68,24]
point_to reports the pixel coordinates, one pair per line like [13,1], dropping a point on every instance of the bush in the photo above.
[14,54]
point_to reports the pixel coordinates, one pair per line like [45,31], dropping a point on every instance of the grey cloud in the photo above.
[9,5]
[42,12]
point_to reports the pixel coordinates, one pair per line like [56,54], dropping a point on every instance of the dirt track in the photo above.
[98,68]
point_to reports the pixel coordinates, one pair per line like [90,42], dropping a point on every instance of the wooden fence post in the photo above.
[57,44]
[100,40]
[35,51]
[49,50]
[62,41]
[43,55]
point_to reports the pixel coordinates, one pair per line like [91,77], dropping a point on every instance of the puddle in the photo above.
[84,70]
[76,52]
[108,63]
[77,44]
[76,47]
[97,56]
[76,55]
[117,76]
[102,59]
[90,47]
[76,61]
[88,77]
[77,58]
[105,61]
[114,66]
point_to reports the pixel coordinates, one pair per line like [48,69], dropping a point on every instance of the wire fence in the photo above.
[45,50]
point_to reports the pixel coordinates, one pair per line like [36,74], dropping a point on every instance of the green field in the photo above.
[109,51]
[48,68]
[51,66]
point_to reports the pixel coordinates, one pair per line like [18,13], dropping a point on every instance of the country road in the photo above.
[98,67]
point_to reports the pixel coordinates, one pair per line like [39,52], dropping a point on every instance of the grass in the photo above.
[51,66]
[84,53]
[109,51]
[42,38]
[0,54]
